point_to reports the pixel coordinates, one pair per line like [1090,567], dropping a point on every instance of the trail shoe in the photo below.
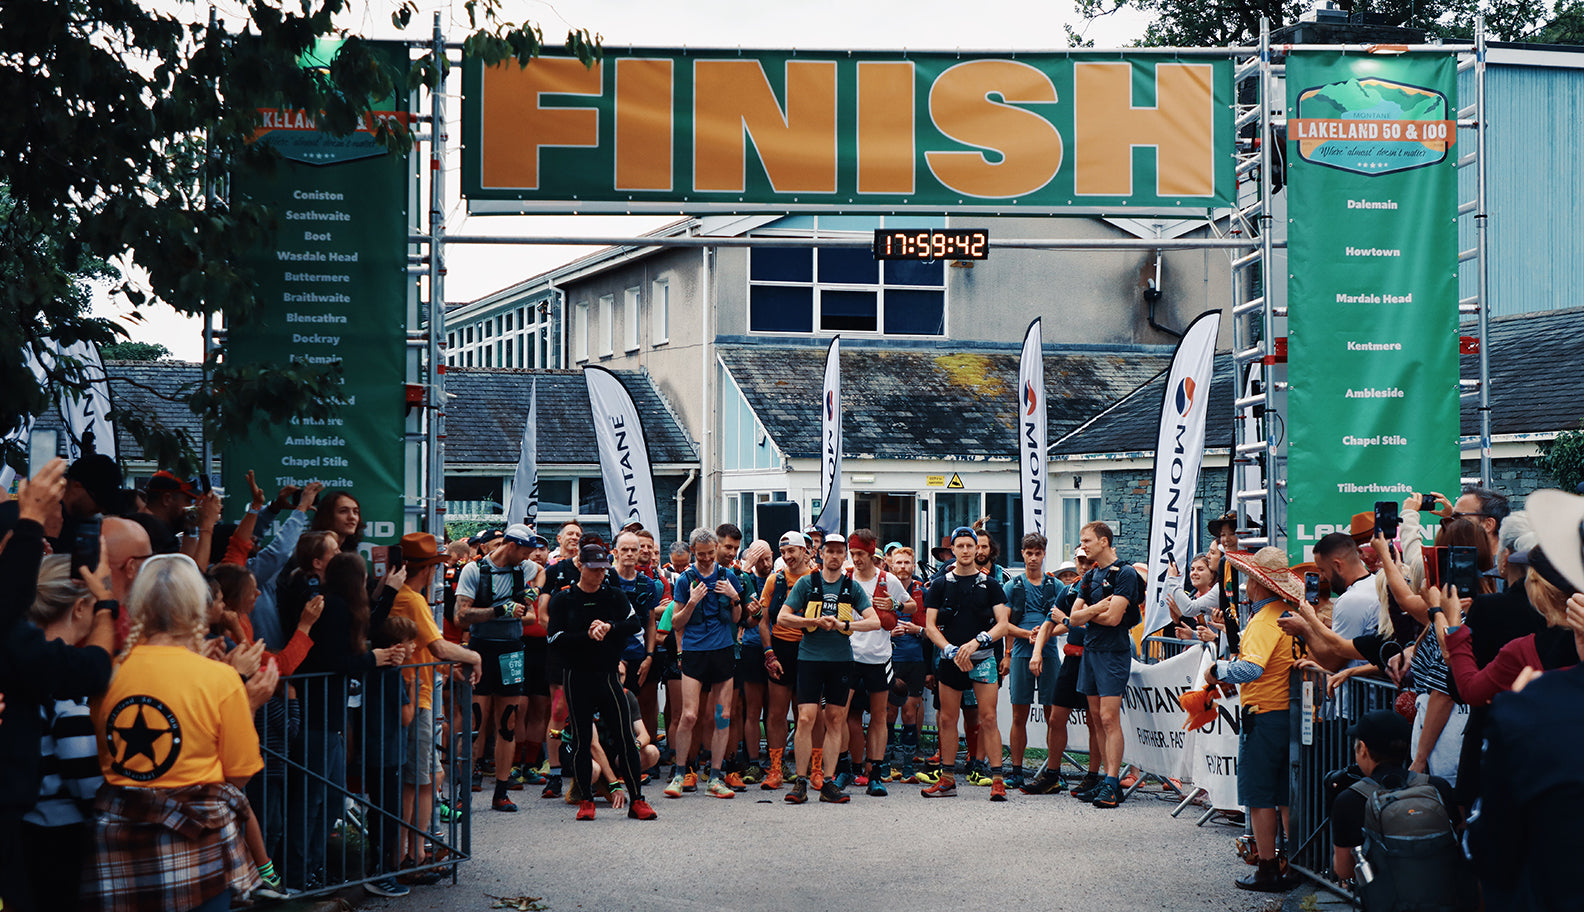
[998,790]
[977,777]
[386,886]
[1109,796]
[798,794]
[926,777]
[831,793]
[1267,878]
[1046,783]
[1087,789]
[753,775]
[499,804]
[585,810]
[640,810]
[673,788]
[944,787]
[552,787]
[736,782]
[690,781]
[876,788]
[1015,781]
[718,788]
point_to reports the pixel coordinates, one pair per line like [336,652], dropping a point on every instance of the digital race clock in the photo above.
[931,244]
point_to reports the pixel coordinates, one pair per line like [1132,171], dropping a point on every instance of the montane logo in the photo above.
[1030,399]
[1185,396]
[830,406]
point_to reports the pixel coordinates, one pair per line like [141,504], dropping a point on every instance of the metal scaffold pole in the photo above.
[1482,263]
[435,395]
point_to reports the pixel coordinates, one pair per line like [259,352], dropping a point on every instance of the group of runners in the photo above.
[830,631]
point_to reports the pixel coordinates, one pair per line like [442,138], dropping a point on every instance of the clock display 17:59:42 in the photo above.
[931,244]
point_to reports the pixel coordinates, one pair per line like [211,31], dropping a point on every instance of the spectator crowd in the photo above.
[189,705]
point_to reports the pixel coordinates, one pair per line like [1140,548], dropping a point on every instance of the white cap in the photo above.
[795,538]
[1066,567]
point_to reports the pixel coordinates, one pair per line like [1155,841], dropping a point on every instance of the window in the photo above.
[506,360]
[660,312]
[607,325]
[580,333]
[489,356]
[842,289]
[630,319]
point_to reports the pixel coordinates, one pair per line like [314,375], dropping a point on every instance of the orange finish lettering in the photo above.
[643,124]
[885,127]
[733,98]
[962,108]
[515,127]
[1107,126]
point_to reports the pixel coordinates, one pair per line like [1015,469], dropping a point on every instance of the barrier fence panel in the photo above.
[1318,746]
[1157,648]
[341,799]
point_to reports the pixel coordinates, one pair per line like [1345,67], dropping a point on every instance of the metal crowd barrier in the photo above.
[330,798]
[1159,649]
[1319,745]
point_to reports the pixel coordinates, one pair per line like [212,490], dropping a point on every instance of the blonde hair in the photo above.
[169,596]
[1547,599]
[58,591]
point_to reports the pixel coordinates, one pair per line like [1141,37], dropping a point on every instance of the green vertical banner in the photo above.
[332,286]
[1372,285]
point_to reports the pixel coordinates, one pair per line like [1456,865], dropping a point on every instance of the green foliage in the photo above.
[126,122]
[134,351]
[1224,23]
[1563,458]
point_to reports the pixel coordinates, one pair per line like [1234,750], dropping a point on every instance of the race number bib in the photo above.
[511,668]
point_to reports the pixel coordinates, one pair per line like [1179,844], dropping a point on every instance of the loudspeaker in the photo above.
[775,518]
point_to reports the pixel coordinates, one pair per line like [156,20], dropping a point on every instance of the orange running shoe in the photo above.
[998,790]
[586,811]
[772,779]
[690,781]
[734,781]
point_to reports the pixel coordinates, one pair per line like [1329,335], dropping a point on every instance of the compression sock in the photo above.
[1017,770]
[816,761]
[500,789]
[910,739]
[843,763]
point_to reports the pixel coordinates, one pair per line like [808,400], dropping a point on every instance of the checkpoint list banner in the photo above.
[1372,289]
[663,130]
[332,287]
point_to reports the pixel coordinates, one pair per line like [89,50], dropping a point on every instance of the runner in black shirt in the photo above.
[590,624]
[964,614]
[1109,603]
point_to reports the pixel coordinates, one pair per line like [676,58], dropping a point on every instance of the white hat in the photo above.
[1066,567]
[1556,516]
[518,534]
[795,538]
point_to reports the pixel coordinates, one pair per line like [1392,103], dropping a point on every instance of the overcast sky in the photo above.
[474,271]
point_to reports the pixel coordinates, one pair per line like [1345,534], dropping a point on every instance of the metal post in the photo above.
[1482,262]
[434,480]
[211,196]
[1267,225]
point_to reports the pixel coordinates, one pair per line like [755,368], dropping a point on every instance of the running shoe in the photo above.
[926,777]
[772,779]
[1109,796]
[906,774]
[503,804]
[640,810]
[978,778]
[831,793]
[1087,789]
[552,788]
[1046,783]
[532,775]
[270,887]
[386,886]
[1015,781]
[478,780]
[876,789]
[446,812]
[690,781]
[736,782]
[753,775]
[945,787]
[998,790]
[860,780]
[585,810]
[843,780]
[673,788]
[417,878]
[719,789]
[798,793]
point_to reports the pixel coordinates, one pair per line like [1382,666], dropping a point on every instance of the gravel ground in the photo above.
[903,853]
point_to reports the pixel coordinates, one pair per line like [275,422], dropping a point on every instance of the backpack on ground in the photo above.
[1415,861]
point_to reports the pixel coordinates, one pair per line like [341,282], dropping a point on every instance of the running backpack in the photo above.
[1415,861]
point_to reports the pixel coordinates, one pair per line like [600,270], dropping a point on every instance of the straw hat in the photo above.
[1269,566]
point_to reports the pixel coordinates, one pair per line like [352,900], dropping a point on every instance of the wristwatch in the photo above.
[847,626]
[110,605]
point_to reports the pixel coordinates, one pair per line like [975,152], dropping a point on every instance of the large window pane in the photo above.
[848,266]
[591,496]
[781,264]
[848,311]
[555,495]
[918,313]
[778,308]
[915,272]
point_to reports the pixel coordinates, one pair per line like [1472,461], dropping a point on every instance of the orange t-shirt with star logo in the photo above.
[172,718]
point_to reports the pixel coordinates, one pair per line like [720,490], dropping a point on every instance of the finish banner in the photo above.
[623,452]
[331,286]
[1032,432]
[1372,355]
[663,130]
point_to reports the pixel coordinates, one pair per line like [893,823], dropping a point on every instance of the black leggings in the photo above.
[587,692]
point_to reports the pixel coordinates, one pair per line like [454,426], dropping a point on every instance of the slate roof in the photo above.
[484,420]
[1537,386]
[937,402]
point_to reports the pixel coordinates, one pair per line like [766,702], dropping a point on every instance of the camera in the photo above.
[1387,518]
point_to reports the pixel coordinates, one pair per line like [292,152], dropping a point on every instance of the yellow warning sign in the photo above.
[956,481]
[935,481]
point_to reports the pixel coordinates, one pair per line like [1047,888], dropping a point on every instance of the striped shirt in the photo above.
[69,762]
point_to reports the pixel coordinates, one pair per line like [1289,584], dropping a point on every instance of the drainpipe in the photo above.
[692,474]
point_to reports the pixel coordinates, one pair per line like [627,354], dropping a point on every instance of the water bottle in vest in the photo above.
[1411,851]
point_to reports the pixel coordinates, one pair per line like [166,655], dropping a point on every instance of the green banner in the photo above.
[332,286]
[1372,285]
[663,130]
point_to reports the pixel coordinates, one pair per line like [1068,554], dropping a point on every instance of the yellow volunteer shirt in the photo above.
[1266,645]
[172,718]
[410,604]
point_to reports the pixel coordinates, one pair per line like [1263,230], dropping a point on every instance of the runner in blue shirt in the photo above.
[1030,597]
[707,622]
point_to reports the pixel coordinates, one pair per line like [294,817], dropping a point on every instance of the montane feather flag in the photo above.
[524,506]
[623,452]
[1178,451]
[1031,432]
[87,410]
[831,442]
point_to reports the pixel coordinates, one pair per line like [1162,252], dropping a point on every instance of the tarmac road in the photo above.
[902,853]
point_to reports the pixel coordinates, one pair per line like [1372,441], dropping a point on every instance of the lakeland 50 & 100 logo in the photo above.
[1372,126]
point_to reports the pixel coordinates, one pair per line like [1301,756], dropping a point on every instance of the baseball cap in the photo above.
[961,531]
[1065,567]
[795,538]
[1379,728]
[538,541]
[633,526]
[594,557]
[835,537]
[519,534]
[164,481]
[890,546]
[101,478]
